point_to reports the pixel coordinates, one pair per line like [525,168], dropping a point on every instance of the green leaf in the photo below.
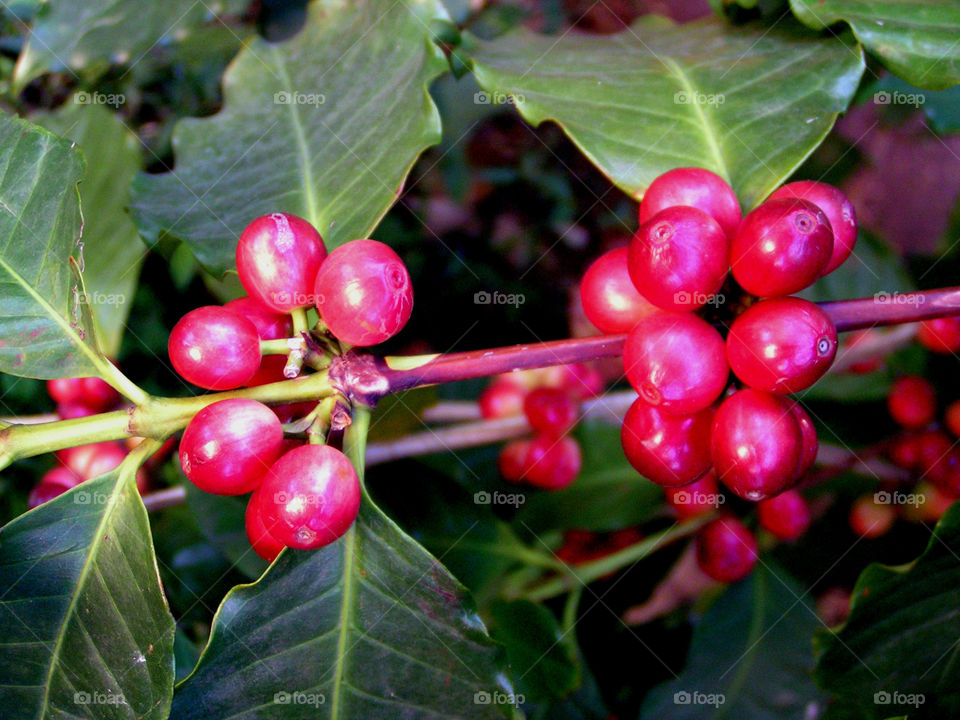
[901,636]
[608,494]
[77,34]
[915,39]
[45,332]
[748,102]
[325,125]
[221,520]
[84,625]
[112,250]
[750,656]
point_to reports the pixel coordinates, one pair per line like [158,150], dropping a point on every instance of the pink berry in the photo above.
[609,298]
[270,325]
[726,550]
[670,450]
[697,498]
[940,335]
[501,399]
[550,411]
[785,516]
[552,463]
[215,348]
[912,402]
[264,544]
[89,392]
[838,209]
[697,188]
[512,462]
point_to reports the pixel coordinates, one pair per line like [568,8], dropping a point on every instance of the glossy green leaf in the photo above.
[748,102]
[897,652]
[750,656]
[112,250]
[84,627]
[75,34]
[221,520]
[915,39]
[45,331]
[325,125]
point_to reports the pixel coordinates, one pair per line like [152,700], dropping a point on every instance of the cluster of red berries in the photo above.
[686,420]
[304,496]
[550,399]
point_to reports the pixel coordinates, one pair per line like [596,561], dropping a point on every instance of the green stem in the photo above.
[275,347]
[300,322]
[120,382]
[355,438]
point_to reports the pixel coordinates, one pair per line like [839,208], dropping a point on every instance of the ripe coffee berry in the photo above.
[270,325]
[696,498]
[89,392]
[756,444]
[90,461]
[512,462]
[214,348]
[781,345]
[869,519]
[552,463]
[263,543]
[676,361]
[726,550]
[363,292]
[951,418]
[501,398]
[550,411]
[670,450]
[697,188]
[228,446]
[940,335]
[808,435]
[679,258]
[310,497]
[579,380]
[610,299]
[55,482]
[278,256]
[838,209]
[912,402]
[785,516]
[781,247]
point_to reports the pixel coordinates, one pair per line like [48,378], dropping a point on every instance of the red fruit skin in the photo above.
[904,451]
[679,258]
[870,520]
[512,461]
[263,543]
[856,338]
[781,345]
[940,335]
[579,380]
[89,392]
[278,256]
[310,497]
[781,247]
[756,444]
[270,325]
[951,418]
[363,292]
[726,550]
[552,463]
[912,402]
[70,411]
[838,209]
[676,361]
[609,297]
[53,483]
[808,436]
[697,498]
[670,450]
[214,348]
[293,411]
[501,399]
[697,188]
[944,473]
[550,411]
[228,446]
[785,516]
[90,461]
[270,371]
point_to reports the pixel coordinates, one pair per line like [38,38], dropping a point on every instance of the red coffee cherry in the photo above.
[912,402]
[89,392]
[270,325]
[552,463]
[756,444]
[785,516]
[263,543]
[697,498]
[697,188]
[579,380]
[838,209]
[904,451]
[69,411]
[54,482]
[501,399]
[214,348]
[609,298]
[679,258]
[90,461]
[676,362]
[512,462]
[781,247]
[310,497]
[870,520]
[951,418]
[931,447]
[228,446]
[808,435]
[861,337]
[782,345]
[670,450]
[726,550]
[940,335]
[550,411]
[363,292]
[278,256]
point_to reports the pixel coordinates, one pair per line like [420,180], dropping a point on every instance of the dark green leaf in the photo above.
[221,520]
[748,102]
[84,625]
[325,125]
